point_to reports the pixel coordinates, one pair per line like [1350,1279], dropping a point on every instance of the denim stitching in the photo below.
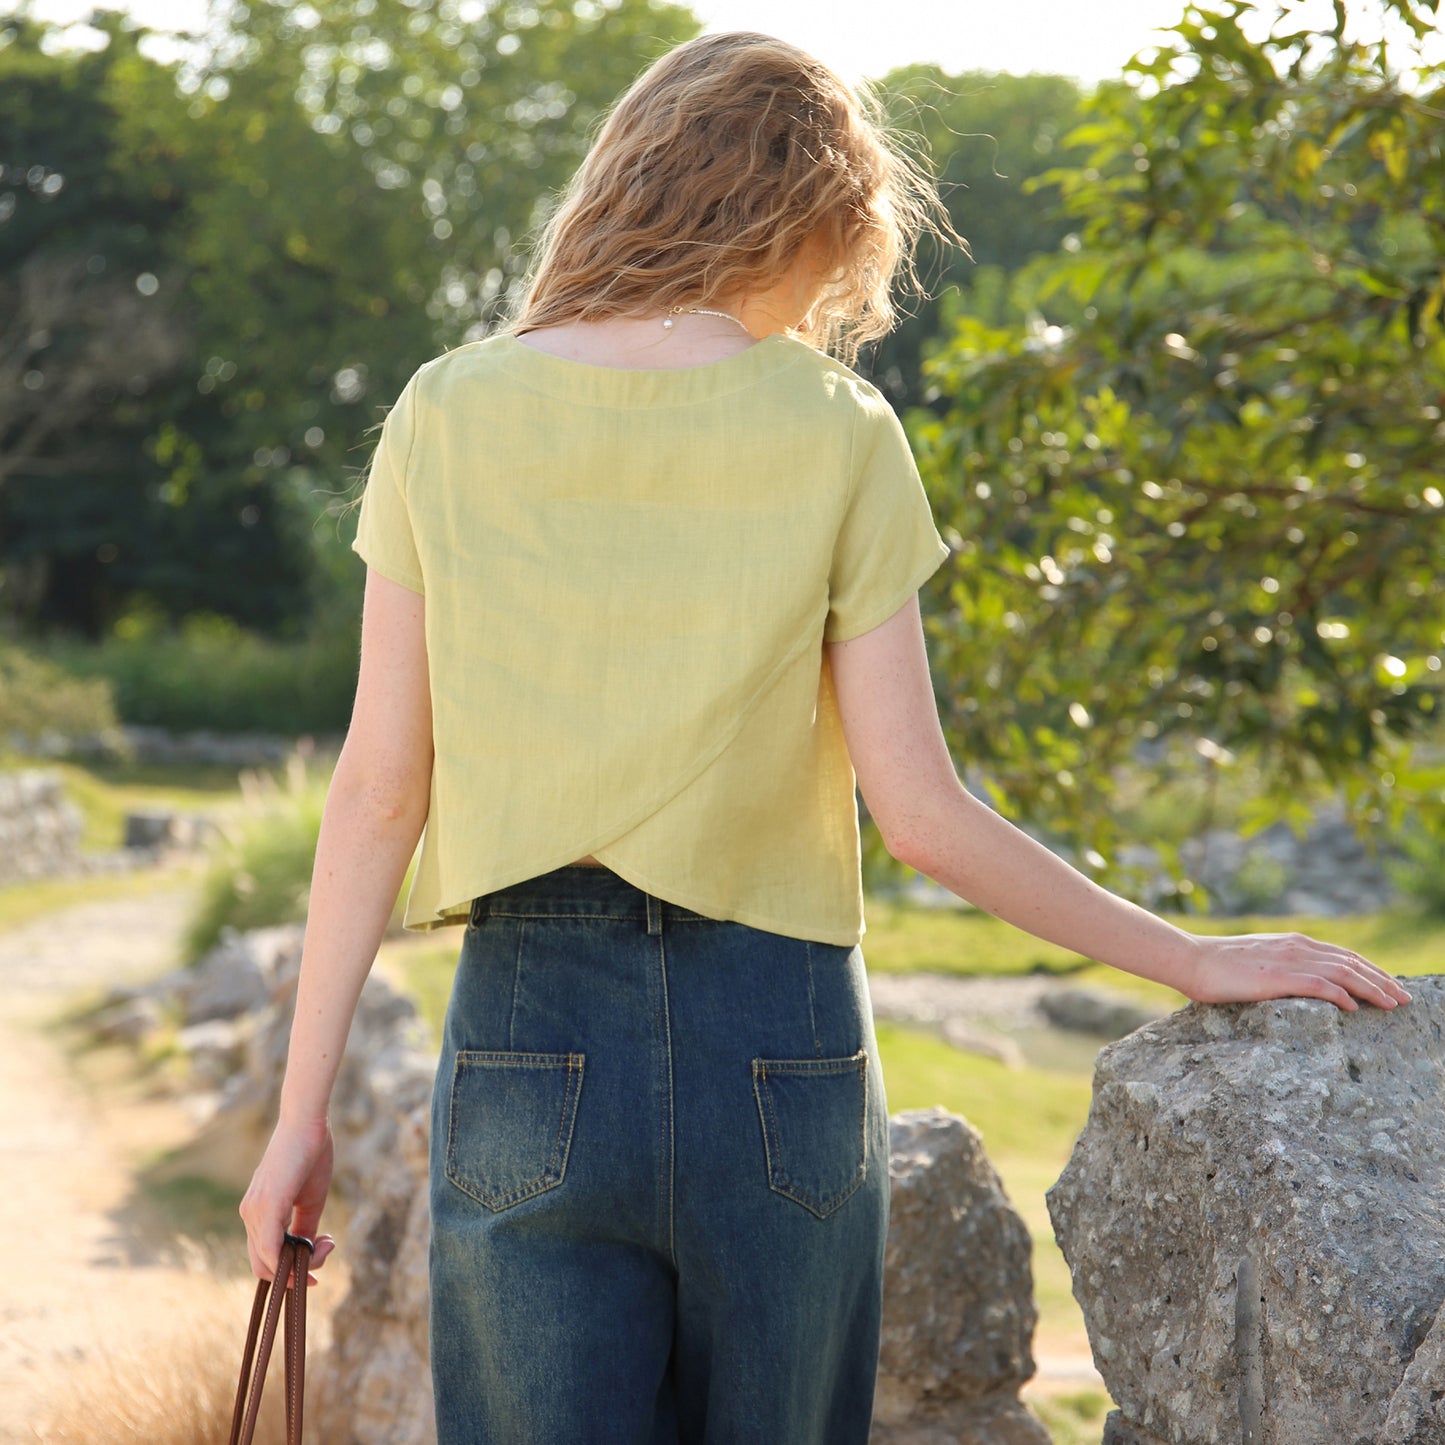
[556,1168]
[778,1179]
[666,1182]
[496,912]
[812,1012]
[765,1115]
[562,1147]
[516,986]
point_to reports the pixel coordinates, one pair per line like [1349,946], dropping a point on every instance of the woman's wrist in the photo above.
[1179,960]
[301,1119]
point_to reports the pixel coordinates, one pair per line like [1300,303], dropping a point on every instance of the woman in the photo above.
[641,603]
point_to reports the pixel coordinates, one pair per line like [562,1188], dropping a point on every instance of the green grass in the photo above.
[905,938]
[106,792]
[190,1204]
[260,871]
[423,971]
[902,938]
[1073,1418]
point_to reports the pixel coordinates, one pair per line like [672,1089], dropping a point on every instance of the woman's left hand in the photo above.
[1245,967]
[287,1192]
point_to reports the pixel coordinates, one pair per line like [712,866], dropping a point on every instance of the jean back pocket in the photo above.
[510,1128]
[814,1116]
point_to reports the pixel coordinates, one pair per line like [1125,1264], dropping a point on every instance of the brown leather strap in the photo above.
[287,1288]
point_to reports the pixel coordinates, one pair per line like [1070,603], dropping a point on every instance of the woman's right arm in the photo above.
[376,807]
[930,822]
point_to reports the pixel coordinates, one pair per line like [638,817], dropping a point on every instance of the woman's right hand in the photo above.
[287,1192]
[1247,967]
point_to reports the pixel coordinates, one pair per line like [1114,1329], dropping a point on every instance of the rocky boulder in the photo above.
[958,1306]
[373,1387]
[1254,1218]
[1099,1011]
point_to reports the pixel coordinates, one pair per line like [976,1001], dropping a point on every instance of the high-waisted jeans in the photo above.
[659,1183]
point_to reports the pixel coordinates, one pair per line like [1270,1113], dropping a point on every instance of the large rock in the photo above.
[1099,1011]
[385,1074]
[374,1385]
[244,972]
[958,1307]
[1255,1222]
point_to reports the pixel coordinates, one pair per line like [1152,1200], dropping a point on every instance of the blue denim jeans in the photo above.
[659,1178]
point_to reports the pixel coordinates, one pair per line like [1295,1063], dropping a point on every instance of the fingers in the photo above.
[1313,985]
[1292,965]
[288,1191]
[263,1245]
[1364,980]
[325,1244]
[1342,976]
[263,1235]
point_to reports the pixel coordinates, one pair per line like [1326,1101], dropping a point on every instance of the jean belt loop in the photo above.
[654,915]
[480,908]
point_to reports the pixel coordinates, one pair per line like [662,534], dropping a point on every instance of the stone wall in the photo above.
[1254,1219]
[39,827]
[40,833]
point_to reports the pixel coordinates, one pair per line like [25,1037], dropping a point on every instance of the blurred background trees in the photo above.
[1178,414]
[214,273]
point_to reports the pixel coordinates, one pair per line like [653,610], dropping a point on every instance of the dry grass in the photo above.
[175,1388]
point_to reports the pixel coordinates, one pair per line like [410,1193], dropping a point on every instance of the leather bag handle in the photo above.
[271,1295]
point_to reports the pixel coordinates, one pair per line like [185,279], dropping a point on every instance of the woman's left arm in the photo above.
[932,823]
[375,810]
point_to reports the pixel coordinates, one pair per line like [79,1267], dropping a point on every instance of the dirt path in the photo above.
[72,1136]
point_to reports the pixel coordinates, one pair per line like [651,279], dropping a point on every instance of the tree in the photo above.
[89,351]
[1211,512]
[317,200]
[988,138]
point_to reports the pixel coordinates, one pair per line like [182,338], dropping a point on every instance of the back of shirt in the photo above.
[629,576]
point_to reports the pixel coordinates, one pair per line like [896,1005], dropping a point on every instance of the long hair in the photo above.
[712,172]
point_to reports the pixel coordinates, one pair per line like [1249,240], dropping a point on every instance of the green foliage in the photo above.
[114,482]
[989,140]
[260,872]
[260,875]
[210,674]
[1203,501]
[1420,874]
[38,698]
[243,256]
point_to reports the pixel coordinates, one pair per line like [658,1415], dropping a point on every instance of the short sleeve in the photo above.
[887,546]
[384,534]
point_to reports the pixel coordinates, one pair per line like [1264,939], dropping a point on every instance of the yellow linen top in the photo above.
[629,578]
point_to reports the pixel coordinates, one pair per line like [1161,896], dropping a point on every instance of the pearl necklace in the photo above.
[671,318]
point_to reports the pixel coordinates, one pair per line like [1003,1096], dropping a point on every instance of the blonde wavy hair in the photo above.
[724,159]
